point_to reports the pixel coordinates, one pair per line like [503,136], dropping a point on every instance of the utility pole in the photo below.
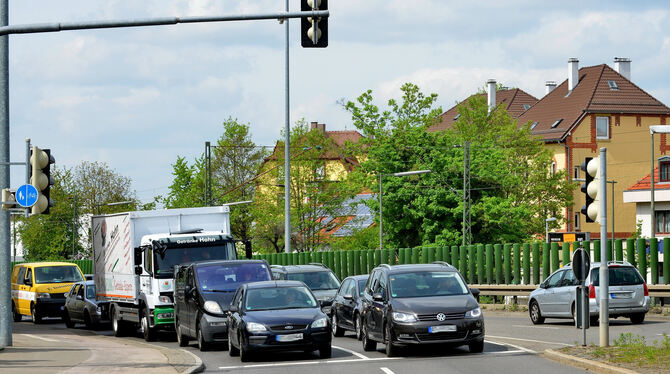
[5,263]
[604,270]
[287,153]
[467,223]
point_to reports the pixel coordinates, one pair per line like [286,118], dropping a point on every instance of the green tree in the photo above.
[511,187]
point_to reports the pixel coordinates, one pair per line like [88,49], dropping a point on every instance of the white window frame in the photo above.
[607,127]
[577,220]
[553,168]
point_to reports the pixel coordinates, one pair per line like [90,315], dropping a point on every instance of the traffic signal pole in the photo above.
[604,271]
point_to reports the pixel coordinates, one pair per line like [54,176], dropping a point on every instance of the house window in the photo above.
[553,168]
[602,127]
[526,106]
[558,121]
[663,222]
[457,116]
[664,169]
[576,172]
[577,225]
[321,172]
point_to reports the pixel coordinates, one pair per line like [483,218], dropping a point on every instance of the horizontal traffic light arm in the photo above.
[66,26]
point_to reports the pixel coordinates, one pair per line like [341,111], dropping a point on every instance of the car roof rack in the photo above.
[443,263]
[318,264]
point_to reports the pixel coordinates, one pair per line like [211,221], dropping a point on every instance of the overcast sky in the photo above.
[137,98]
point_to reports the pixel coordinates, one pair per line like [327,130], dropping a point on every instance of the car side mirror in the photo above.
[79,297]
[28,282]
[475,292]
[377,296]
[348,296]
[233,309]
[138,270]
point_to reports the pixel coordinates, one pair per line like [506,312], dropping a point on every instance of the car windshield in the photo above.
[422,284]
[226,277]
[90,292]
[57,274]
[175,256]
[316,280]
[279,298]
[361,286]
[619,276]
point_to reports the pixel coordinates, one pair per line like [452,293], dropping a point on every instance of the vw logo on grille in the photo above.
[288,327]
[441,317]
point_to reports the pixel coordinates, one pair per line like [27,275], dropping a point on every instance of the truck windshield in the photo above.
[175,256]
[226,277]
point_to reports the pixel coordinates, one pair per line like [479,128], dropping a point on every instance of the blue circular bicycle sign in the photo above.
[26,195]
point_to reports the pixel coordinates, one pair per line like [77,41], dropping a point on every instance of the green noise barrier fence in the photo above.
[499,263]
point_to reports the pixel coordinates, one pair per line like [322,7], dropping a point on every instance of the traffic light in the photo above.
[591,189]
[40,177]
[8,199]
[314,32]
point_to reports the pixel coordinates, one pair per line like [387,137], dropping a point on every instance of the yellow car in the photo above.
[39,288]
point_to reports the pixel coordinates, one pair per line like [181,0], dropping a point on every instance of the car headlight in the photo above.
[404,317]
[474,313]
[213,307]
[321,322]
[165,299]
[255,327]
[43,295]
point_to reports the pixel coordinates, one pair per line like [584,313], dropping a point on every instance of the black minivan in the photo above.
[202,295]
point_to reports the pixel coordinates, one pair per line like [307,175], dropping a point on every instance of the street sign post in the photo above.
[581,264]
[26,195]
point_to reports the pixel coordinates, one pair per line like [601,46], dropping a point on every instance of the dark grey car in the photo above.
[82,307]
[318,277]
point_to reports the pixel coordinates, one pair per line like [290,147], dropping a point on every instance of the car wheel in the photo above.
[325,351]
[357,326]
[232,350]
[593,320]
[368,344]
[66,318]
[637,318]
[147,332]
[15,314]
[34,314]
[245,355]
[337,330]
[535,315]
[202,344]
[391,349]
[87,320]
[182,339]
[476,347]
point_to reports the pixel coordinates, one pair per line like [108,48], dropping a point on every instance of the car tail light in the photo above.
[592,292]
[646,290]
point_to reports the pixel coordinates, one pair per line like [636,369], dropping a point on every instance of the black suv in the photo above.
[202,295]
[318,277]
[420,304]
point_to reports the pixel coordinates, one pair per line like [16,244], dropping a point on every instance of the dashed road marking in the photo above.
[387,371]
[538,327]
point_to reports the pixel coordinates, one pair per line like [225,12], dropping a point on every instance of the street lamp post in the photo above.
[546,227]
[401,174]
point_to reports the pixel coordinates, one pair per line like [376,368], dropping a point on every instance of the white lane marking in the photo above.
[538,327]
[39,337]
[307,363]
[352,352]
[513,346]
[387,371]
[528,340]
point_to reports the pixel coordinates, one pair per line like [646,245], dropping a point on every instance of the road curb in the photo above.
[595,366]
[198,367]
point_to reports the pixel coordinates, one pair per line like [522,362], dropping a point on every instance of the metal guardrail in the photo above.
[655,290]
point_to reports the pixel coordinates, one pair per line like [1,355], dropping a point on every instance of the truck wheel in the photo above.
[37,318]
[15,314]
[148,333]
[118,326]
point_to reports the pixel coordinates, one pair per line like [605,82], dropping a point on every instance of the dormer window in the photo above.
[664,169]
[457,116]
[526,106]
[613,85]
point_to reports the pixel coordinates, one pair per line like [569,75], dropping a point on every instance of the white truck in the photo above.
[134,255]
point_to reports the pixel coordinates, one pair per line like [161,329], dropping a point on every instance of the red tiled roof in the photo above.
[591,95]
[512,99]
[644,184]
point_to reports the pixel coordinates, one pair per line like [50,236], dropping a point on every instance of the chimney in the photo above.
[492,94]
[318,126]
[573,73]
[549,86]
[622,66]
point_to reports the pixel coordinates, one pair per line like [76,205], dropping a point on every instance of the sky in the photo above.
[137,98]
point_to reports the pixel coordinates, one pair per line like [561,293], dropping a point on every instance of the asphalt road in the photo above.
[513,345]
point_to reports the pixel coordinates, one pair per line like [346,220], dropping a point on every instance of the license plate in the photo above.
[444,328]
[289,337]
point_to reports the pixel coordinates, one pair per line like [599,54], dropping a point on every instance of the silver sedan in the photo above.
[81,306]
